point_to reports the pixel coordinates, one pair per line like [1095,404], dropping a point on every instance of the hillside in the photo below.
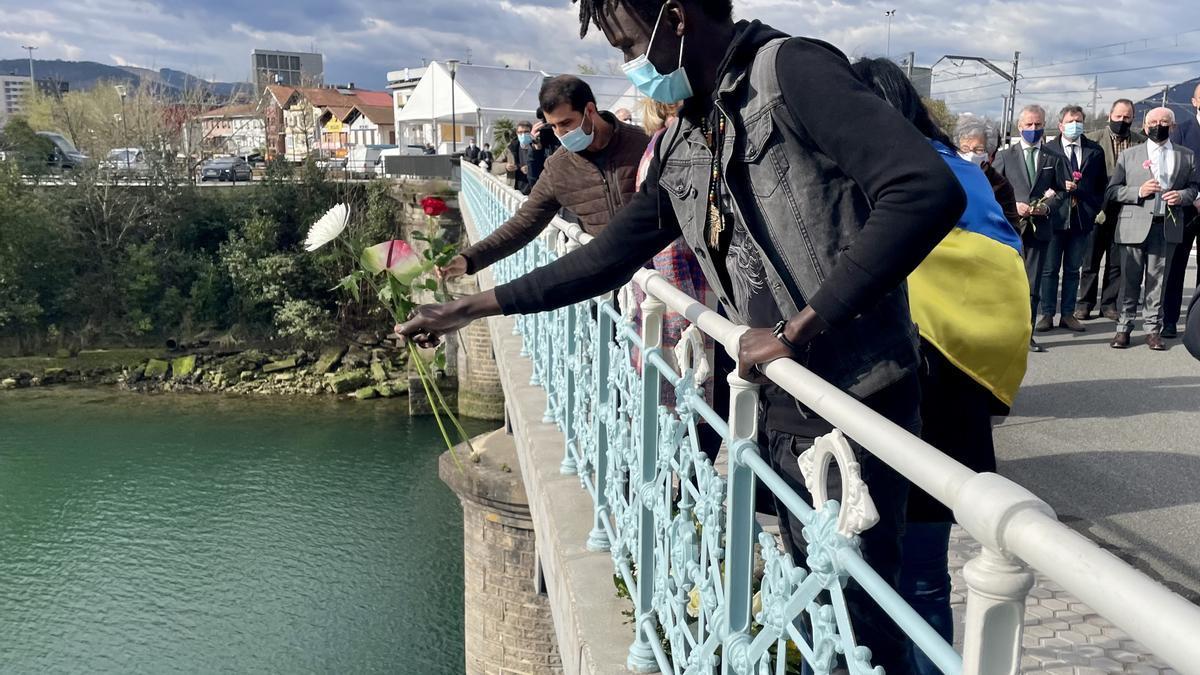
[84,75]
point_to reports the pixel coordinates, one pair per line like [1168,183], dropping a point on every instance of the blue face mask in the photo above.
[577,140]
[1032,136]
[1073,130]
[670,88]
[525,139]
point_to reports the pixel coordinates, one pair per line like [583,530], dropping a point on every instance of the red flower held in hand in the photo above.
[1147,164]
[434,206]
[1076,176]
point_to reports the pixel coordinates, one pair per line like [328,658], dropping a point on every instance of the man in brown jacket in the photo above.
[593,175]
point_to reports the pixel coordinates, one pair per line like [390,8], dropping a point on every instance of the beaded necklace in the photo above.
[716,222]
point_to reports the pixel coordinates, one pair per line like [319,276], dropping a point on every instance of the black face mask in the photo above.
[1158,133]
[1119,128]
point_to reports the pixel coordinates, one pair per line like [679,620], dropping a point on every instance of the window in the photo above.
[294,62]
[272,61]
[260,60]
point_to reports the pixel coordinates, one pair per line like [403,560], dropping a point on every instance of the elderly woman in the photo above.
[970,301]
[976,139]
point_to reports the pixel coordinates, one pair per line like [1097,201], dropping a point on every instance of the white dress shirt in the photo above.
[1075,148]
[1155,152]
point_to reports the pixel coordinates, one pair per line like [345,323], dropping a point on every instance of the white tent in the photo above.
[485,94]
[482,95]
[613,93]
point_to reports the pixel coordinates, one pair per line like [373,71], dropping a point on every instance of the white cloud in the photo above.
[361,44]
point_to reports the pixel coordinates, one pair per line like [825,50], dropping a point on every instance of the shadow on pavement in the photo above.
[1109,399]
[1114,483]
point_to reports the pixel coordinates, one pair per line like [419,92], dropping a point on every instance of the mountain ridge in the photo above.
[86,75]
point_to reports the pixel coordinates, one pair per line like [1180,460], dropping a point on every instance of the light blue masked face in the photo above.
[577,140]
[1073,130]
[670,88]
[526,139]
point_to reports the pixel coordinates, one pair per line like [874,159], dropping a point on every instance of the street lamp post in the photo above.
[123,92]
[453,65]
[32,80]
[889,14]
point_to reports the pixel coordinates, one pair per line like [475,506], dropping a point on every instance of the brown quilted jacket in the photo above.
[594,189]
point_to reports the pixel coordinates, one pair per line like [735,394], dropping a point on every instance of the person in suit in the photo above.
[485,157]
[1039,180]
[1152,182]
[471,154]
[1185,134]
[515,160]
[1082,203]
[1094,293]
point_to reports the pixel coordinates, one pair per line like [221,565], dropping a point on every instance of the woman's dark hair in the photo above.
[564,89]
[891,84]
[591,11]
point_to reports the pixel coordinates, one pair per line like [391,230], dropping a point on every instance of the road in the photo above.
[1111,439]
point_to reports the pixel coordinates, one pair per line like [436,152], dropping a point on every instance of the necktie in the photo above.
[1074,157]
[1160,207]
[1030,166]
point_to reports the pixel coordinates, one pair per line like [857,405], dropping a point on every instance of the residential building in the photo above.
[292,69]
[313,119]
[234,130]
[271,105]
[13,90]
[371,125]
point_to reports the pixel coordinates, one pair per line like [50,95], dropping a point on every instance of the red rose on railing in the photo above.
[434,206]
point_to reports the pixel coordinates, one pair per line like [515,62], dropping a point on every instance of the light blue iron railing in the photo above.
[683,537]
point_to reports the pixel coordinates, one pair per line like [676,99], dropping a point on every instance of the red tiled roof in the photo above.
[246,110]
[377,114]
[375,99]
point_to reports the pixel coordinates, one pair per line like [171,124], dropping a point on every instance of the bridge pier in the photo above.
[509,627]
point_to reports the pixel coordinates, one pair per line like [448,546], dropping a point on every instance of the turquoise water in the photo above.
[203,534]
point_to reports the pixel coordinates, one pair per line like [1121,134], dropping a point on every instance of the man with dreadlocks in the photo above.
[807,201]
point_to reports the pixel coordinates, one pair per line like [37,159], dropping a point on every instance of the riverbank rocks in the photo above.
[281,365]
[183,367]
[344,383]
[379,372]
[366,393]
[8,383]
[156,369]
[329,359]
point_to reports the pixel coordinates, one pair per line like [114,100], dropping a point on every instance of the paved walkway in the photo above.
[1062,636]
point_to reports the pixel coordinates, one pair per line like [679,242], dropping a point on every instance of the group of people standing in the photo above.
[1126,197]
[907,273]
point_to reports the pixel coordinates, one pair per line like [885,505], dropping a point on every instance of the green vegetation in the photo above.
[91,263]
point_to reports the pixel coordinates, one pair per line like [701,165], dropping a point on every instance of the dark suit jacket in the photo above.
[1187,134]
[1051,174]
[1089,194]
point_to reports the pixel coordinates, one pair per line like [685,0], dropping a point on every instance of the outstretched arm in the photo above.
[635,234]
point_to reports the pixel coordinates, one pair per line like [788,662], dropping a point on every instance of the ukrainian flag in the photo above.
[970,297]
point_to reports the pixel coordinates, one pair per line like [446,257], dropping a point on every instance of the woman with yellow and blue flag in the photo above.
[970,301]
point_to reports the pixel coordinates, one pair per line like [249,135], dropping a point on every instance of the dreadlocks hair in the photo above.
[591,12]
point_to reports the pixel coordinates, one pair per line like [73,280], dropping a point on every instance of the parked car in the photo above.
[365,159]
[65,155]
[126,162]
[226,169]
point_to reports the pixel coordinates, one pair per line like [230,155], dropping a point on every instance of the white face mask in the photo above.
[974,157]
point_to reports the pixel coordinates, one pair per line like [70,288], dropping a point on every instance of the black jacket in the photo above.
[840,218]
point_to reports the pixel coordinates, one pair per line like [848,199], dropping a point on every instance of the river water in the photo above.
[203,534]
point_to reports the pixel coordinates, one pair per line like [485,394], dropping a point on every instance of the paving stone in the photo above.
[1062,635]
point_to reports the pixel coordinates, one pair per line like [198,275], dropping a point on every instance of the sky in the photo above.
[1063,45]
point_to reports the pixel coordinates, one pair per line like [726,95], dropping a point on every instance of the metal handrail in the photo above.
[1015,527]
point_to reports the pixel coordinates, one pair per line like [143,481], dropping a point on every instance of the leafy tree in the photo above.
[29,150]
[503,132]
[940,112]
